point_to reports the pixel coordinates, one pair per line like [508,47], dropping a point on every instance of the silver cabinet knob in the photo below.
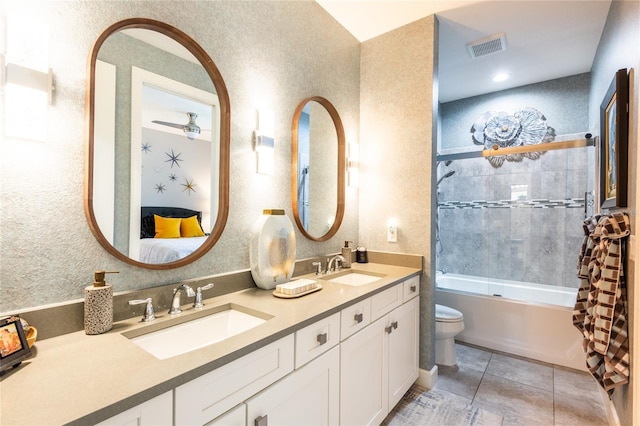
[322,338]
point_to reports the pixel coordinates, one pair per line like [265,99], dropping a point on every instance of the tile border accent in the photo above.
[569,203]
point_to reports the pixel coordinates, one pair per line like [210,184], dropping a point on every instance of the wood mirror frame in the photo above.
[225,120]
[341,168]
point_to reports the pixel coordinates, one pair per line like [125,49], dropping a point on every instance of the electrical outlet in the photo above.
[392,234]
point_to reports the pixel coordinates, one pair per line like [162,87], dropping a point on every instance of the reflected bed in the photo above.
[164,250]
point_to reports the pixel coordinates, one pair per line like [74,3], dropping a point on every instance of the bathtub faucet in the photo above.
[442,271]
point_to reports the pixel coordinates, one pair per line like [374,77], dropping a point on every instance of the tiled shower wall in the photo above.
[538,238]
[486,232]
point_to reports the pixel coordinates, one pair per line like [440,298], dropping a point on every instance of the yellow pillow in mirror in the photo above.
[189,227]
[167,227]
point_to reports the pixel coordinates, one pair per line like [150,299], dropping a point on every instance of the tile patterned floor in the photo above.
[519,391]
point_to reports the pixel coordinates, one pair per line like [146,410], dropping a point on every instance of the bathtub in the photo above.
[525,319]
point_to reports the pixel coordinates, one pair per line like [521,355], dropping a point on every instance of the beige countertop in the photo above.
[76,378]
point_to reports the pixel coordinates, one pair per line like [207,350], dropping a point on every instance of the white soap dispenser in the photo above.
[346,253]
[98,305]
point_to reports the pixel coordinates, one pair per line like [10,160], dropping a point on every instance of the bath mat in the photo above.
[420,406]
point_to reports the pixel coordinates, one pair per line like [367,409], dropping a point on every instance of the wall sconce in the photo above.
[353,165]
[392,230]
[264,142]
[28,93]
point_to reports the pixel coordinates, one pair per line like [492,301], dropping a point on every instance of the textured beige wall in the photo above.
[397,121]
[271,54]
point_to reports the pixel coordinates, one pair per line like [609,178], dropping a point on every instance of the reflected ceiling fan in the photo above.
[191,129]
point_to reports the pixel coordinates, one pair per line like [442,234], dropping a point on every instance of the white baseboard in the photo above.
[428,379]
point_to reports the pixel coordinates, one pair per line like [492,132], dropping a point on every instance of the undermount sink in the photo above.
[354,278]
[195,334]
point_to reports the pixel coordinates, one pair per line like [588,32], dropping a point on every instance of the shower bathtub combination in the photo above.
[508,236]
[525,319]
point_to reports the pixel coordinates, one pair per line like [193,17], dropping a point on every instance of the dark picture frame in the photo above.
[614,145]
[13,343]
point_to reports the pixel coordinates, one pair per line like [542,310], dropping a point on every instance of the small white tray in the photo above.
[293,296]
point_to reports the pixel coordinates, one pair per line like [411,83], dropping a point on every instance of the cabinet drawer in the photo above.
[205,398]
[355,318]
[411,288]
[317,338]
[384,302]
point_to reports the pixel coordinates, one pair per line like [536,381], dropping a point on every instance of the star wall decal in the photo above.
[189,186]
[157,168]
[173,177]
[173,158]
[146,148]
[160,188]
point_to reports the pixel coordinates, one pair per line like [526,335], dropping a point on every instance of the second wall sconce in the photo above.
[264,142]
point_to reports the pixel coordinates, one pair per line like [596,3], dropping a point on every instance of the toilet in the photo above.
[449,322]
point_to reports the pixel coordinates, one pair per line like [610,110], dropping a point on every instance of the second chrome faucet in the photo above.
[197,295]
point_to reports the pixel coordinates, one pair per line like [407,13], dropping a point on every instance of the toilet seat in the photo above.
[447,314]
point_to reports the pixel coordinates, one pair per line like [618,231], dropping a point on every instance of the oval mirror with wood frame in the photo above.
[317,169]
[157,150]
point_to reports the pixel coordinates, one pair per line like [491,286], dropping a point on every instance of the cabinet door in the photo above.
[308,396]
[403,349]
[209,396]
[364,382]
[155,412]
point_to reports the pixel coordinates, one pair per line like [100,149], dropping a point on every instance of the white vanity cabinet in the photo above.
[379,363]
[308,396]
[348,368]
[155,412]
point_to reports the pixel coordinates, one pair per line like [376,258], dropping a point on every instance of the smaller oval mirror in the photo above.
[317,169]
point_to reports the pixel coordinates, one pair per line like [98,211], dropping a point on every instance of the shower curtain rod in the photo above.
[542,147]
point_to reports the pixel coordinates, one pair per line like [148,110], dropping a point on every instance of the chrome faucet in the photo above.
[336,261]
[175,301]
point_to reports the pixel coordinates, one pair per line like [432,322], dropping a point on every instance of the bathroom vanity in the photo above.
[342,355]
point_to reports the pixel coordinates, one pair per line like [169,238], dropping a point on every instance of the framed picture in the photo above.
[13,343]
[614,129]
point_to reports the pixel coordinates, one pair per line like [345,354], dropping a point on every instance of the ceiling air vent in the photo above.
[488,45]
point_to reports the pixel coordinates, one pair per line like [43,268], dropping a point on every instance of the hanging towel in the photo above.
[600,311]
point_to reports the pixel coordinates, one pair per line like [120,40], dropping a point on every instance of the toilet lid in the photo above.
[447,314]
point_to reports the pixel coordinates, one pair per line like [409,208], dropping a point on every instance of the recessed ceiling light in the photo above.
[500,77]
